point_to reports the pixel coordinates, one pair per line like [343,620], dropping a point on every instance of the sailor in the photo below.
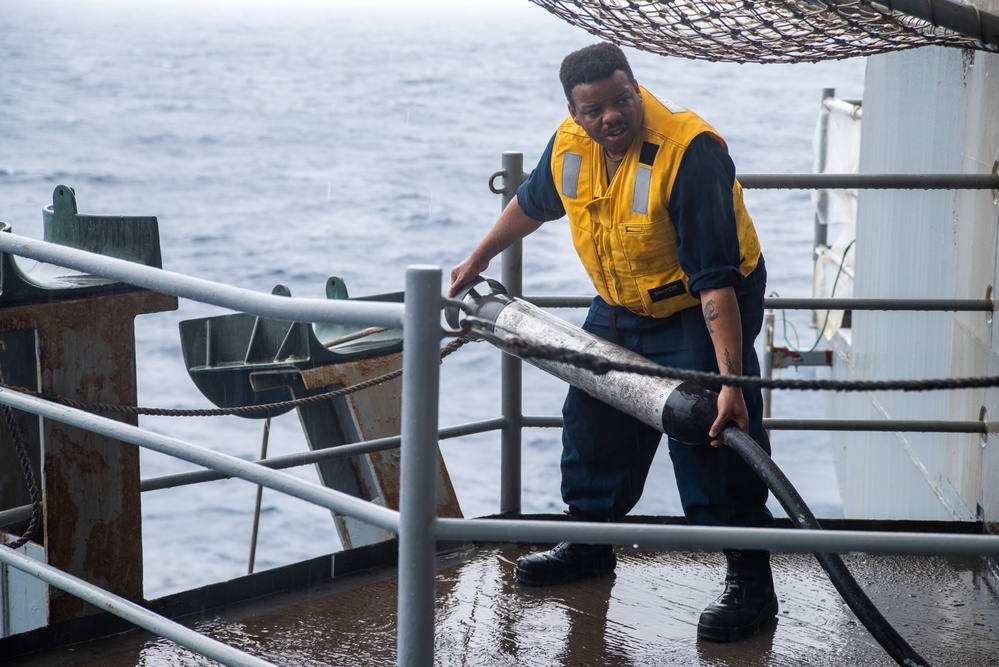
[657,218]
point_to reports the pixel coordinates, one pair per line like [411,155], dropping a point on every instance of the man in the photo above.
[659,222]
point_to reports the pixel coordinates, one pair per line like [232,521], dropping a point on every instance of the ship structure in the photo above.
[906,266]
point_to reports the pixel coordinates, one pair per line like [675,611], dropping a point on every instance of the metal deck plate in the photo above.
[644,614]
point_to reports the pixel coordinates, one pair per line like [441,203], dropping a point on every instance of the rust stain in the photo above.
[88,461]
[93,522]
[111,557]
[376,414]
[57,489]
[386,466]
[353,372]
[93,383]
[86,350]
[447,499]
[62,518]
[89,310]
[369,367]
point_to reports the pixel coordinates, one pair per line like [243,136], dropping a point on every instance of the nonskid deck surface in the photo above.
[644,614]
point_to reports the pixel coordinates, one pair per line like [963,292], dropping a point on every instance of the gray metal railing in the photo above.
[511,369]
[419,334]
[131,612]
[368,313]
[418,528]
[869,181]
[813,303]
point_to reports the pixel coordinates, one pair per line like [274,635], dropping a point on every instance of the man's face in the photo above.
[610,111]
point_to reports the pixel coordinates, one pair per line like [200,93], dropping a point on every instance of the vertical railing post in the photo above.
[511,368]
[767,370]
[820,237]
[822,197]
[418,476]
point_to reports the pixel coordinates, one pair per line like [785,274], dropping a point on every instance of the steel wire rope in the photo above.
[242,411]
[32,484]
[29,476]
[525,349]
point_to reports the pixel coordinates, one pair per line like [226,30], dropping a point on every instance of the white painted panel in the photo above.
[928,110]
[23,598]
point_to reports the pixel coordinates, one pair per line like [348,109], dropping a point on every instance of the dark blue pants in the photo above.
[606,455]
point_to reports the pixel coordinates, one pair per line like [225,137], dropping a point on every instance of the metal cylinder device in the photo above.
[680,409]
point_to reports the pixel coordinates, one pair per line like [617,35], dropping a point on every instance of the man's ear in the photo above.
[572,112]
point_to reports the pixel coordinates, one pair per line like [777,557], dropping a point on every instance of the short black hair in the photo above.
[592,63]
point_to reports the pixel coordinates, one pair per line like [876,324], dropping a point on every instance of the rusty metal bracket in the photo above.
[785,358]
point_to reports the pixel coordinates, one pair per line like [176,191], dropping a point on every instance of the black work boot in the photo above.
[566,562]
[747,603]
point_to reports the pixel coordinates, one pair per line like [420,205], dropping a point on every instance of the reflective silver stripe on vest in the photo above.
[570,174]
[640,197]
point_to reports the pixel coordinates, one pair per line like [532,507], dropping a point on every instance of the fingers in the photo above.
[456,280]
[460,276]
[720,422]
[464,273]
[731,410]
[455,284]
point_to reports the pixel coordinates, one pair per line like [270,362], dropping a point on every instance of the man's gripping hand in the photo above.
[464,273]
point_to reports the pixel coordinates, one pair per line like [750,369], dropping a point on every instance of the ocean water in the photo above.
[284,142]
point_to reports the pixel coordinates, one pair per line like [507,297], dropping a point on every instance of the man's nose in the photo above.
[611,116]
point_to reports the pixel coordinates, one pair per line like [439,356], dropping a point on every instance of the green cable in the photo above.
[825,321]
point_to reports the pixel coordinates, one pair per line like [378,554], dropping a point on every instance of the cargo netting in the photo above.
[760,31]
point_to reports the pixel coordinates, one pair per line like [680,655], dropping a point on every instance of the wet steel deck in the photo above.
[644,614]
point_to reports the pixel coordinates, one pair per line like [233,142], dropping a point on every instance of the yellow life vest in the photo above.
[622,230]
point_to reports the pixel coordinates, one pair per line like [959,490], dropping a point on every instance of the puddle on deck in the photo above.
[644,614]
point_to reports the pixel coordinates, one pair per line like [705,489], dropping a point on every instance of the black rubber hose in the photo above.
[802,517]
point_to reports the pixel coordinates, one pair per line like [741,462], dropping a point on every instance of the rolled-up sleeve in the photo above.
[537,196]
[703,214]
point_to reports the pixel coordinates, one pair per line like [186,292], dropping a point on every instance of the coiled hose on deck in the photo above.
[802,517]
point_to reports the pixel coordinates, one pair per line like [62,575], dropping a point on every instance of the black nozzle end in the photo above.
[689,412]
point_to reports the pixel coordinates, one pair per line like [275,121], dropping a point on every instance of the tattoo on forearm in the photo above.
[730,364]
[710,315]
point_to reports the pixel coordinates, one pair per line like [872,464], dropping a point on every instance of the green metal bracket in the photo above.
[131,238]
[221,352]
